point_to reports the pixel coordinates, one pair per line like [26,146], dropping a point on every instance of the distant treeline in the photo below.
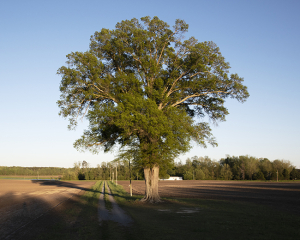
[105,171]
[235,168]
[197,168]
[32,171]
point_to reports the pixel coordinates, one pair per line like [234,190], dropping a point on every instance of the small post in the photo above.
[130,186]
[277,175]
[117,174]
[110,172]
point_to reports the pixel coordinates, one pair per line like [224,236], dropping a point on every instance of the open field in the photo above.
[213,210]
[23,201]
[205,218]
[282,195]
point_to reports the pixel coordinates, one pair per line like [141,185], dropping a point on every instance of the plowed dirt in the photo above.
[282,195]
[25,201]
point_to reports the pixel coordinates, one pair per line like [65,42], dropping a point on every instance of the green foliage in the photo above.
[286,174]
[199,174]
[266,167]
[32,171]
[295,174]
[236,168]
[259,176]
[188,176]
[142,88]
[197,168]
[225,172]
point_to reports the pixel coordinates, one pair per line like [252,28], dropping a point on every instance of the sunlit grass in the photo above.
[108,204]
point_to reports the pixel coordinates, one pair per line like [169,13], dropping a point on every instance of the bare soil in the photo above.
[23,202]
[30,208]
[281,195]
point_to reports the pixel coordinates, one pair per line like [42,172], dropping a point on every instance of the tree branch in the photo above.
[196,95]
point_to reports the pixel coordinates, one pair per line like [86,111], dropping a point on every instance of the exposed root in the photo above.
[151,200]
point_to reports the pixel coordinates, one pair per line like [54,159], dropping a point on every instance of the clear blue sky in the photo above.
[260,39]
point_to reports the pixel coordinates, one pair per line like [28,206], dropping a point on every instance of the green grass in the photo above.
[108,204]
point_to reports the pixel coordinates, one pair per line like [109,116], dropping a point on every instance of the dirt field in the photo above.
[282,195]
[23,201]
[25,205]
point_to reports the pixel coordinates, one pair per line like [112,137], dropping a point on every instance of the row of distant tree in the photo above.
[32,171]
[236,168]
[107,171]
[197,168]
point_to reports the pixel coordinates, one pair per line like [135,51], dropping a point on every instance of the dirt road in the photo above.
[116,214]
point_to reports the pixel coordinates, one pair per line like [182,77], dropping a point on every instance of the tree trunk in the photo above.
[151,182]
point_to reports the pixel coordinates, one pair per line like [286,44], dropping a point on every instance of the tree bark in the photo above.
[151,182]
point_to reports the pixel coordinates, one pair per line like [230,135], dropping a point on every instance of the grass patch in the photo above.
[92,196]
[108,204]
[206,219]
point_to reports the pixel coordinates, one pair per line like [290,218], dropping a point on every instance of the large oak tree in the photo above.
[143,89]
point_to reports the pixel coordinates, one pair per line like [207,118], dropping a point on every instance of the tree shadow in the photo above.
[33,215]
[76,185]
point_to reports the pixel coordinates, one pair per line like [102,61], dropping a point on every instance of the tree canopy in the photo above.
[142,87]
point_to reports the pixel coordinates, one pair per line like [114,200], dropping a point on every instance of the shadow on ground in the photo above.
[54,216]
[82,185]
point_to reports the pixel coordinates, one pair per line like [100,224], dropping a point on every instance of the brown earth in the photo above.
[282,195]
[28,208]
[25,201]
